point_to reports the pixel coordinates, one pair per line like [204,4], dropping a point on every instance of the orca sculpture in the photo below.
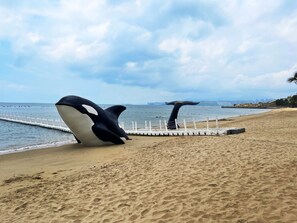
[90,124]
[177,105]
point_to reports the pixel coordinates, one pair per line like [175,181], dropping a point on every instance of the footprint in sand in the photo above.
[96,200]
[163,214]
[144,212]
[170,197]
[122,205]
[133,217]
[22,206]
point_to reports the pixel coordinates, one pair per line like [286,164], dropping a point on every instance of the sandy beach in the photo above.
[249,177]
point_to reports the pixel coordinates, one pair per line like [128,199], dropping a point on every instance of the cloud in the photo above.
[286,28]
[177,47]
[10,86]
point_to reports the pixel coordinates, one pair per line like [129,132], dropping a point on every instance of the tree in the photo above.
[293,79]
[293,101]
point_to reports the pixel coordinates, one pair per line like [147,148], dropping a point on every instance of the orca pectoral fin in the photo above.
[106,135]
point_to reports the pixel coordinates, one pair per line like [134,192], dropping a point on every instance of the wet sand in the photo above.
[249,177]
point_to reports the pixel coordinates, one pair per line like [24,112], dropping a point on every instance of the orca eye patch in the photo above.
[90,109]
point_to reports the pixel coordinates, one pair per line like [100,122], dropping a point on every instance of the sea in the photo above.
[15,137]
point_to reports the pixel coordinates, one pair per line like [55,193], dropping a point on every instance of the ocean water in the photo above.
[17,137]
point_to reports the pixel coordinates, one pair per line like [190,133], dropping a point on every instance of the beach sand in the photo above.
[249,177]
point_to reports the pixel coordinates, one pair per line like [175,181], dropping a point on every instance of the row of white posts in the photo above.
[163,125]
[32,119]
[147,124]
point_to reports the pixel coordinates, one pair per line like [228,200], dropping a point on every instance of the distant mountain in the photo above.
[290,101]
[218,103]
[156,103]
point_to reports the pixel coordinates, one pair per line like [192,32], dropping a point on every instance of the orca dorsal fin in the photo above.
[116,110]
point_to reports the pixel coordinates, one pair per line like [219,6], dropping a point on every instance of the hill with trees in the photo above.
[290,101]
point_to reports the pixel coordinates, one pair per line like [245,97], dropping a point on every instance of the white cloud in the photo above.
[10,23]
[5,85]
[34,37]
[98,31]
[287,28]
[70,49]
[249,12]
[268,81]
[131,65]
[247,44]
[170,46]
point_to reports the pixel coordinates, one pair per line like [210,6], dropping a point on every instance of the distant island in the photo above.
[290,101]
[214,103]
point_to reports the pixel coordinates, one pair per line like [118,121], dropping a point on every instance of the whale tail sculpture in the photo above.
[177,105]
[90,124]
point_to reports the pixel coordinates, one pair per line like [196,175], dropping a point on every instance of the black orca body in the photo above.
[174,113]
[90,124]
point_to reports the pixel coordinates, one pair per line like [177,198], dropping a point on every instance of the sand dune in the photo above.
[250,177]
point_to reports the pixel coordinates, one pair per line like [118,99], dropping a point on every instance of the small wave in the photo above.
[35,147]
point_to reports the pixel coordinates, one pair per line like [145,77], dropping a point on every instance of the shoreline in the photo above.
[61,143]
[36,147]
[249,177]
[252,107]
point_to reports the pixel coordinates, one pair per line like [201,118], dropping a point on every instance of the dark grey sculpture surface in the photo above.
[173,116]
[90,124]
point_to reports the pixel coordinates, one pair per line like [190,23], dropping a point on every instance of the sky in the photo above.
[139,51]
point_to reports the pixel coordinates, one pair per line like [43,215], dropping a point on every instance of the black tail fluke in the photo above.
[177,105]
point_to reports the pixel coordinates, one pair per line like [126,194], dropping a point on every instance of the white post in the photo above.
[160,124]
[135,126]
[217,122]
[132,125]
[150,126]
[185,125]
[145,125]
[165,124]
[195,127]
[176,125]
[207,124]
